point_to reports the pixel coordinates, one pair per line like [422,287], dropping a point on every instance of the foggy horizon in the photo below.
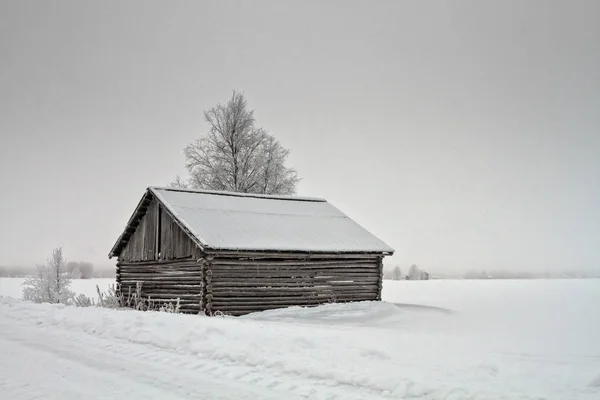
[464,135]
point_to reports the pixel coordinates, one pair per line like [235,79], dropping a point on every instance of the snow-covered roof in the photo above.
[236,221]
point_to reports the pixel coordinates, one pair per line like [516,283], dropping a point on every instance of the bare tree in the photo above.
[178,182]
[397,273]
[51,283]
[414,274]
[236,155]
[82,269]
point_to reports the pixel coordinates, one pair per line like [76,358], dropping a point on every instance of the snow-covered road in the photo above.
[51,363]
[519,340]
[57,366]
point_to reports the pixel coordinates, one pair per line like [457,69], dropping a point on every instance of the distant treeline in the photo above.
[77,269]
[394,273]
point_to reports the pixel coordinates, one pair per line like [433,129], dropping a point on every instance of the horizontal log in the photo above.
[281,277]
[262,291]
[171,292]
[251,285]
[182,303]
[137,278]
[184,261]
[257,307]
[154,270]
[165,274]
[290,256]
[175,280]
[152,284]
[274,297]
[270,305]
[230,305]
[323,297]
[183,285]
[159,273]
[186,264]
[313,281]
[180,280]
[148,285]
[266,267]
[166,299]
[166,293]
[164,290]
[292,273]
[293,263]
[319,279]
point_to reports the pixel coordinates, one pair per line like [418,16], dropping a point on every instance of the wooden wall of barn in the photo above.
[163,282]
[165,265]
[142,243]
[173,242]
[236,286]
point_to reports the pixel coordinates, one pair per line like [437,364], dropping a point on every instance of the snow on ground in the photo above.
[444,340]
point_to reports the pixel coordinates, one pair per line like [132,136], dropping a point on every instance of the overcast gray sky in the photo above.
[465,134]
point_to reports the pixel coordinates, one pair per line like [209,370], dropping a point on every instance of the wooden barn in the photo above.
[239,253]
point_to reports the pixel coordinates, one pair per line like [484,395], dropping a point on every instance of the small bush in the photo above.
[115,298]
[170,308]
[51,282]
[83,301]
[110,299]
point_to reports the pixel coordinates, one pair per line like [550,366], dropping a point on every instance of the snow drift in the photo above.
[475,340]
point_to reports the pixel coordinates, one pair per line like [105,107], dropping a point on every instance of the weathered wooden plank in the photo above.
[292,275]
[160,268]
[295,281]
[305,267]
[147,283]
[183,285]
[159,271]
[292,278]
[254,307]
[170,291]
[300,271]
[161,263]
[251,305]
[172,280]
[294,263]
[266,291]
[290,256]
[316,296]
[140,246]
[175,243]
[161,274]
[264,304]
[156,295]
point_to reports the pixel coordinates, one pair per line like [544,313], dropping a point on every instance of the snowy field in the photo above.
[522,339]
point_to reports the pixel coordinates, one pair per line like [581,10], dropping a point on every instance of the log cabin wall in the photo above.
[164,282]
[240,286]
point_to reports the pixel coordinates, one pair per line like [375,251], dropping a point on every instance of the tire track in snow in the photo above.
[172,374]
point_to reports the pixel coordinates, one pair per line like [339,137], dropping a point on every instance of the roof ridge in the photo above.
[238,194]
